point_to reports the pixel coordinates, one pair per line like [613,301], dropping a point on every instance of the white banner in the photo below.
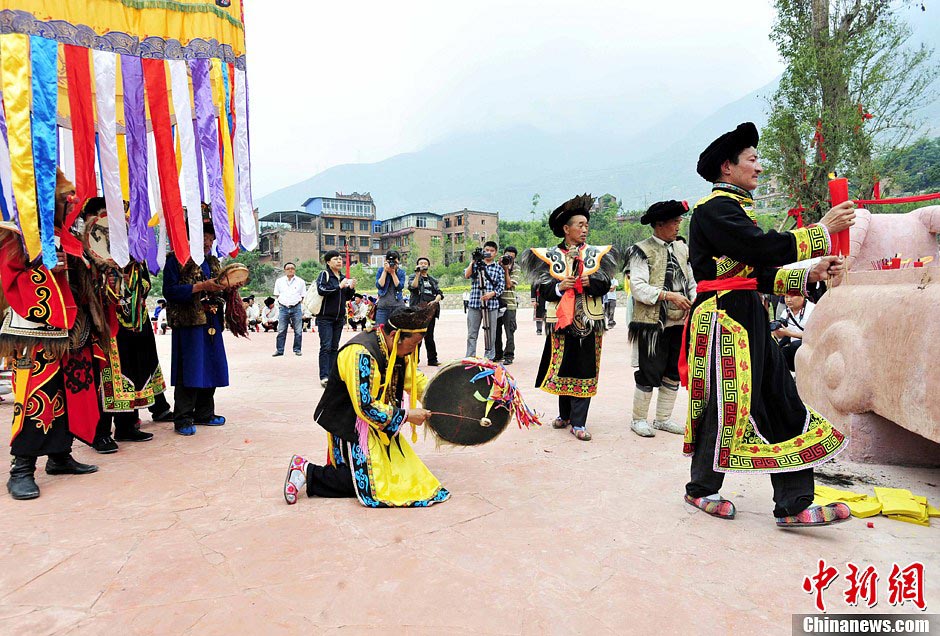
[247,227]
[105,91]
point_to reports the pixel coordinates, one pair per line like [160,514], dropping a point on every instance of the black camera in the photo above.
[506,259]
[477,255]
[392,262]
[421,268]
[779,324]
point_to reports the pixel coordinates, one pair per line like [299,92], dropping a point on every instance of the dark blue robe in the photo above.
[198,359]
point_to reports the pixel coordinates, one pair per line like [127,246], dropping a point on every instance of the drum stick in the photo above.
[485,422]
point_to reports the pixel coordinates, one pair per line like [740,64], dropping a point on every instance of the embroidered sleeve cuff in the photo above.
[791,281]
[812,241]
[394,424]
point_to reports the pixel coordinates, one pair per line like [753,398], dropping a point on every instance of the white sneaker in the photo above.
[669,426]
[323,382]
[642,428]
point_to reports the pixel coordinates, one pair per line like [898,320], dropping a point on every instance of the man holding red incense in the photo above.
[745,414]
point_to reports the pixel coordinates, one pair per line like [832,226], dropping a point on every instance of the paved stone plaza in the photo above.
[543,533]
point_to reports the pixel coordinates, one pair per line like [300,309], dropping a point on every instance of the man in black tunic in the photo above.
[744,411]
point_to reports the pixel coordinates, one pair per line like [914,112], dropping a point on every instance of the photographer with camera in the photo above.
[424,290]
[487,282]
[389,281]
[789,326]
[507,312]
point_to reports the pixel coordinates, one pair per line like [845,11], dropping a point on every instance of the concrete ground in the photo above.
[543,533]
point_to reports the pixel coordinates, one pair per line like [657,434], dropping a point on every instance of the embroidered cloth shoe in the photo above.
[215,420]
[721,508]
[560,423]
[581,433]
[817,516]
[296,480]
[642,428]
[669,426]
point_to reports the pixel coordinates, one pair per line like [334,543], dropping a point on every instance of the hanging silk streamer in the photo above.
[200,172]
[226,83]
[105,91]
[249,232]
[140,236]
[44,55]
[156,254]
[228,163]
[14,57]
[206,117]
[6,169]
[156,31]
[186,135]
[158,100]
[78,74]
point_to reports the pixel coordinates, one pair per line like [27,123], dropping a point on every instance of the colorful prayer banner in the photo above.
[98,107]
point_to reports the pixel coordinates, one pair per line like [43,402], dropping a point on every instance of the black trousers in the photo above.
[429,341]
[663,362]
[193,405]
[574,409]
[160,404]
[793,492]
[789,352]
[507,324]
[331,481]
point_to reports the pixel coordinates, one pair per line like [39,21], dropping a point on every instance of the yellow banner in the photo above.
[192,23]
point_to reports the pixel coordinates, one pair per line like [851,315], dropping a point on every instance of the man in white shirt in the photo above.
[790,325]
[289,290]
[664,289]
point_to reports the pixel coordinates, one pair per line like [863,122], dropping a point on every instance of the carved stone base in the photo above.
[876,440]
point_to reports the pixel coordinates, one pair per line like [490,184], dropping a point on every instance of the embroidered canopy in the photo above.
[138,101]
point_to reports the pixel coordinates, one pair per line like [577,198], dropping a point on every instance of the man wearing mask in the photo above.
[507,318]
[425,290]
[487,282]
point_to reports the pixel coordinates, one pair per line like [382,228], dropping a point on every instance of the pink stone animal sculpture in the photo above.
[872,345]
[877,236]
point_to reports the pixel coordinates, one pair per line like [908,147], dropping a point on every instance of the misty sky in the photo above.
[357,81]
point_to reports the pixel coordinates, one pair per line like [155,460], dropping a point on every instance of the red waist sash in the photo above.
[721,284]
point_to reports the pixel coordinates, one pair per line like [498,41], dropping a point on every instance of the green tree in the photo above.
[852,86]
[262,275]
[915,168]
[535,204]
[309,270]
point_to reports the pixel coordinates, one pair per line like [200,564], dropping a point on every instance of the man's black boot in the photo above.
[65,464]
[22,485]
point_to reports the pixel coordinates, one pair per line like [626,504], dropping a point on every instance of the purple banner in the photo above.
[208,132]
[140,237]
